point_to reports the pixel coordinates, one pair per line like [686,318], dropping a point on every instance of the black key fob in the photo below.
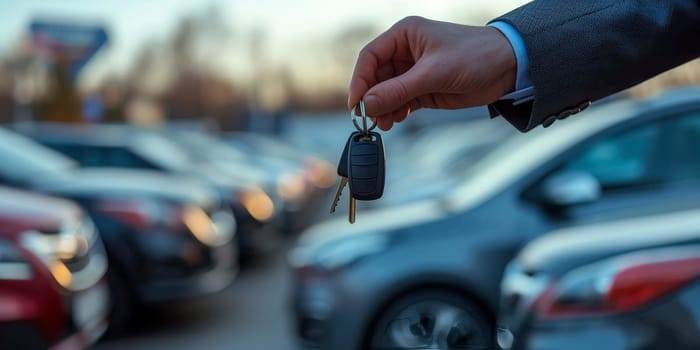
[343,163]
[366,166]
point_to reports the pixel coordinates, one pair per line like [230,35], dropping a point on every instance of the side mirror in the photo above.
[570,188]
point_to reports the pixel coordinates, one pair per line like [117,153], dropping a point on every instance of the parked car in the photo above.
[428,273]
[429,164]
[135,148]
[297,179]
[628,284]
[53,293]
[166,238]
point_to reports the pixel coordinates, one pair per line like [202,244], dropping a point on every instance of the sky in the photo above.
[289,25]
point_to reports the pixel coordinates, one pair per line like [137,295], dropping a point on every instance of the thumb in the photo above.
[396,92]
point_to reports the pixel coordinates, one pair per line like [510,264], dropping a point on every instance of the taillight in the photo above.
[620,284]
[638,285]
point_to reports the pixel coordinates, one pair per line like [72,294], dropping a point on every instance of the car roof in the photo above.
[88,134]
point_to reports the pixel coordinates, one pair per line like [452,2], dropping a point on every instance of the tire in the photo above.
[432,319]
[122,304]
[21,335]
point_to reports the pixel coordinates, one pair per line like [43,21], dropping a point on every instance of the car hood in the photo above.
[561,250]
[416,188]
[116,181]
[23,210]
[377,220]
[243,174]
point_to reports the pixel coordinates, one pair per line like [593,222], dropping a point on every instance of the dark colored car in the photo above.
[136,148]
[629,284]
[298,179]
[53,293]
[166,237]
[428,273]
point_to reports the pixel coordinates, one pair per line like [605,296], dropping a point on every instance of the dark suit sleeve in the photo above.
[581,51]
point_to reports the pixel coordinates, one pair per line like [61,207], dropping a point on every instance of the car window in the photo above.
[73,152]
[663,152]
[163,152]
[681,159]
[620,160]
[123,158]
[21,157]
[102,156]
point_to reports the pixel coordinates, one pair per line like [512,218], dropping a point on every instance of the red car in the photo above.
[52,270]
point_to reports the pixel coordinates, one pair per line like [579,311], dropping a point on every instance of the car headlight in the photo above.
[339,253]
[320,172]
[56,249]
[212,231]
[13,266]
[258,204]
[291,186]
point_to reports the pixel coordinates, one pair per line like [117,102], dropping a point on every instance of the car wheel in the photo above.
[21,335]
[121,305]
[432,319]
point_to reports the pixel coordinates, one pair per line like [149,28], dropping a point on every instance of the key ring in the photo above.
[353,116]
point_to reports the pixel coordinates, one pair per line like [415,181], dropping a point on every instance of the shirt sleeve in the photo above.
[524,89]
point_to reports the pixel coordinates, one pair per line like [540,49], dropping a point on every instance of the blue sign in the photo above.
[68,43]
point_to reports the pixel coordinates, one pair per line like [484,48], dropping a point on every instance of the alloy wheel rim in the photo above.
[430,325]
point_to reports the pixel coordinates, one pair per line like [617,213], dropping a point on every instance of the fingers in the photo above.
[389,49]
[371,57]
[387,75]
[392,94]
[386,121]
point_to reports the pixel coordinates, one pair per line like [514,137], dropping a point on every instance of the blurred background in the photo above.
[168,165]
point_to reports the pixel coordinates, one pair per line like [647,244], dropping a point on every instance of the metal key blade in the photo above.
[338,193]
[351,211]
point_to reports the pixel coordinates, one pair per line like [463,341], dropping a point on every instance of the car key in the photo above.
[366,166]
[343,171]
[369,162]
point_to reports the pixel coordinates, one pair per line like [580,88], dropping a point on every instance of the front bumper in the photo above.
[88,309]
[173,283]
[313,307]
[330,312]
[255,237]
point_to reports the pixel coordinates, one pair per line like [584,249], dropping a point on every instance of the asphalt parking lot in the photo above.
[253,313]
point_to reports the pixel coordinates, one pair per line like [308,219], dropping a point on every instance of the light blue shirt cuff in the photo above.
[524,89]
[520,96]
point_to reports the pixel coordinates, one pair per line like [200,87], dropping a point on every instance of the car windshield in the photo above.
[490,159]
[163,151]
[456,148]
[265,145]
[22,157]
[205,147]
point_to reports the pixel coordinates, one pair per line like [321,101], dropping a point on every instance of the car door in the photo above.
[643,169]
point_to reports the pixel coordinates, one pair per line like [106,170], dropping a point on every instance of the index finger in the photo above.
[370,58]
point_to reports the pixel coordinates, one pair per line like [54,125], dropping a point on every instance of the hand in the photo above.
[420,63]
